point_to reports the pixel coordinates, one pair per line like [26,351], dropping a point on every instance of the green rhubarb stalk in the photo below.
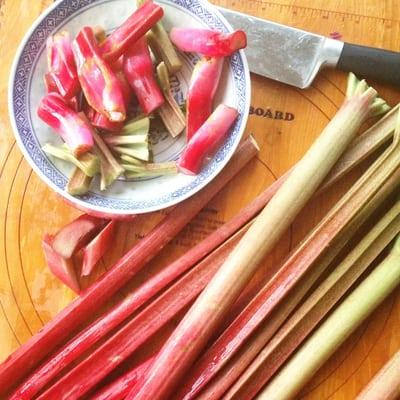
[121,140]
[170,112]
[140,151]
[151,169]
[125,159]
[110,169]
[137,126]
[194,331]
[336,329]
[79,183]
[87,162]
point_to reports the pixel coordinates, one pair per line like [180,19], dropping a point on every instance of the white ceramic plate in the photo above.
[124,197]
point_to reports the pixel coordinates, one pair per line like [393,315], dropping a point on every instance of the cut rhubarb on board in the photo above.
[207,139]
[100,85]
[98,246]
[120,40]
[75,131]
[200,96]
[139,71]
[207,42]
[65,324]
[76,234]
[61,65]
[195,330]
[62,268]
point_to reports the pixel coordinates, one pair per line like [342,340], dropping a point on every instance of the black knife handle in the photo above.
[369,62]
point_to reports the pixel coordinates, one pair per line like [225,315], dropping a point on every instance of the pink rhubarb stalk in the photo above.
[200,95]
[96,249]
[62,268]
[100,85]
[76,234]
[207,139]
[61,65]
[118,389]
[74,130]
[77,382]
[141,21]
[138,69]
[207,42]
[100,121]
[92,299]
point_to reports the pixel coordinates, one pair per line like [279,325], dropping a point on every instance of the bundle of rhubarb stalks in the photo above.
[234,339]
[105,91]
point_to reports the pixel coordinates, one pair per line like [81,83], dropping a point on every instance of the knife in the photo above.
[294,56]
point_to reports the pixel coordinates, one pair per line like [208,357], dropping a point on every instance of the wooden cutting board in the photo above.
[284,121]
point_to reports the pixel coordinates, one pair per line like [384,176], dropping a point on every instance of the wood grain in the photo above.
[30,296]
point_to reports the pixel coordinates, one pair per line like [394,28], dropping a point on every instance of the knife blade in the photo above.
[294,56]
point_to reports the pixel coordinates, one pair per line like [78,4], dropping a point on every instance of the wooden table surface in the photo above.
[30,296]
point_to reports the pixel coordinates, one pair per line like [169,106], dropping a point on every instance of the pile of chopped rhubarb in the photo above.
[104,91]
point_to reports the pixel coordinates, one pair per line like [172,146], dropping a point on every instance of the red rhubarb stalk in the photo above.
[96,249]
[207,139]
[118,389]
[100,85]
[200,95]
[82,309]
[131,31]
[122,344]
[62,268]
[196,328]
[100,121]
[61,65]
[74,130]
[207,42]
[138,69]
[76,234]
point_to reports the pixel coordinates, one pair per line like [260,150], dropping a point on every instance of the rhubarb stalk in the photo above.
[131,31]
[315,308]
[81,309]
[73,129]
[138,69]
[207,139]
[207,42]
[386,383]
[118,389]
[192,334]
[61,65]
[336,329]
[79,183]
[101,87]
[170,112]
[201,92]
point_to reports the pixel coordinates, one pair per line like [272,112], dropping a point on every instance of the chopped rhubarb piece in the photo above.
[100,85]
[76,234]
[207,139]
[138,69]
[61,65]
[126,87]
[61,267]
[207,42]
[75,131]
[131,30]
[79,183]
[93,251]
[200,96]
